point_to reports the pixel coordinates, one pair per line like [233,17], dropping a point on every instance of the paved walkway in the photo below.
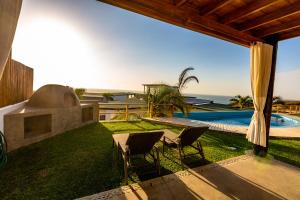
[275,132]
[244,177]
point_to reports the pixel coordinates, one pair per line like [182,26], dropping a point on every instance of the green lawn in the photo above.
[80,162]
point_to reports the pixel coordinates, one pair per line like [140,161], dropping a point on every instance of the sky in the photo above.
[94,45]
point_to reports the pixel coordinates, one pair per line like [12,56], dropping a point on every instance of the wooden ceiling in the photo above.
[237,21]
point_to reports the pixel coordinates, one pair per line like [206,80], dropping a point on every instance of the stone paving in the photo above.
[243,177]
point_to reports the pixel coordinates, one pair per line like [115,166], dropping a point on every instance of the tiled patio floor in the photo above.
[244,177]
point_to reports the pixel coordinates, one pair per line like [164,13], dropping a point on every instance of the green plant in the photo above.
[79,92]
[184,78]
[164,99]
[241,101]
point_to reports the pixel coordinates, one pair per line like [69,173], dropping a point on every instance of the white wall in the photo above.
[8,109]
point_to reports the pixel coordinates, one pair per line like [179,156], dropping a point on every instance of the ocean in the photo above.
[214,98]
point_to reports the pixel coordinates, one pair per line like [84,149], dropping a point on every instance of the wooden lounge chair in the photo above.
[142,143]
[187,137]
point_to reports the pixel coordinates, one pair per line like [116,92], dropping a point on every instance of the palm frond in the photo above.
[164,97]
[188,79]
[183,75]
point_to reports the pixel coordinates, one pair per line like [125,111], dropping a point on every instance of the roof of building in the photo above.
[159,85]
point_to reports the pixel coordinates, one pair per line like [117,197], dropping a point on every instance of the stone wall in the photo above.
[29,125]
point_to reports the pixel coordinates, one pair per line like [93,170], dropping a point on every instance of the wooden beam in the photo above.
[246,10]
[277,29]
[289,34]
[213,25]
[212,7]
[187,18]
[259,150]
[180,3]
[196,27]
[264,19]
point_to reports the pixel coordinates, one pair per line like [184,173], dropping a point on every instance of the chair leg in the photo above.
[180,155]
[118,152]
[126,169]
[200,149]
[164,143]
[157,162]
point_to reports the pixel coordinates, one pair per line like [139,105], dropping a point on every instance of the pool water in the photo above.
[241,118]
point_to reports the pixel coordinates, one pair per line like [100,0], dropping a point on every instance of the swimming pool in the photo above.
[241,118]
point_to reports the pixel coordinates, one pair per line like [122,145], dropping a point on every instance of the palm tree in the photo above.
[241,101]
[184,78]
[165,97]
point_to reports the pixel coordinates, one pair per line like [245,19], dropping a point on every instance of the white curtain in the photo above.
[9,14]
[260,64]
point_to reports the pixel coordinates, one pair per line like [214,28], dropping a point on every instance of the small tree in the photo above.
[79,92]
[164,99]
[241,101]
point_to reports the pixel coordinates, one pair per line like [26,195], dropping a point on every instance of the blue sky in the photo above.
[91,44]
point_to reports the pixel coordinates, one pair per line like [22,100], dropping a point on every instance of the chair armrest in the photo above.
[177,140]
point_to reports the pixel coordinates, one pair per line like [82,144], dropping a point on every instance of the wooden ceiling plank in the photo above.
[180,3]
[264,19]
[213,25]
[181,17]
[246,10]
[289,34]
[209,32]
[277,29]
[212,7]
[136,7]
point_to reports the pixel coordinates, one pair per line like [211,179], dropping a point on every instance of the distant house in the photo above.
[93,97]
[150,88]
[100,96]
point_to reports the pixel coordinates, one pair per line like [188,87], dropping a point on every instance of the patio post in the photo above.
[260,150]
[126,111]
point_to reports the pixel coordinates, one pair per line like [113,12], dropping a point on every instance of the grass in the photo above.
[80,162]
